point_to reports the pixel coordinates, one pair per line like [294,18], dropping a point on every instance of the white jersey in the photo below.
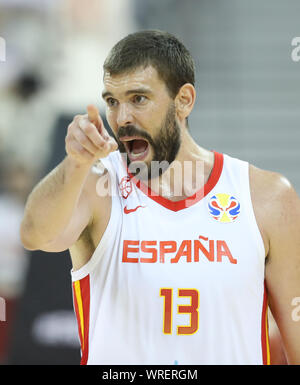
[176,282]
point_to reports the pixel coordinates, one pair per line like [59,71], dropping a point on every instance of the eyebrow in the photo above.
[146,91]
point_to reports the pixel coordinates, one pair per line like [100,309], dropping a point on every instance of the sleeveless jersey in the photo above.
[176,282]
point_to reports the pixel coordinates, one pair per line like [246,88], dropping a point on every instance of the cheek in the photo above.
[150,119]
[111,120]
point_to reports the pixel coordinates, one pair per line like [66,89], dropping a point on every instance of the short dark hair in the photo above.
[163,51]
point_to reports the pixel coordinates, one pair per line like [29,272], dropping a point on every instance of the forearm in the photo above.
[52,202]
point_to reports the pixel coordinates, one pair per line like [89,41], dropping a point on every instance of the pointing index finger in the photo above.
[93,115]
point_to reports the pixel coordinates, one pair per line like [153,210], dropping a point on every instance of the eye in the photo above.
[111,102]
[139,99]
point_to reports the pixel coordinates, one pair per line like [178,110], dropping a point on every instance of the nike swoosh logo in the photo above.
[128,211]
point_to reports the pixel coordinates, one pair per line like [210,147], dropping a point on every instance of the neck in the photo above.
[190,150]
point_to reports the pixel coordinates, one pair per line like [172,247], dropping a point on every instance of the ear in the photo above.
[184,101]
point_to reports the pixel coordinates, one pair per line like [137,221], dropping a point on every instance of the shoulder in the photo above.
[271,187]
[98,172]
[96,194]
[275,201]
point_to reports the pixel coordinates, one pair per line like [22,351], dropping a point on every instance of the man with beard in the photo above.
[167,269]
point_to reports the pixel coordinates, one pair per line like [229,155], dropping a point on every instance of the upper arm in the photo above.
[282,226]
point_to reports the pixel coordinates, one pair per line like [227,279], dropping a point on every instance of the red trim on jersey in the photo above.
[189,201]
[75,303]
[264,330]
[81,295]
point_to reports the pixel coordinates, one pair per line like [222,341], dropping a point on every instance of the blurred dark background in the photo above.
[248,99]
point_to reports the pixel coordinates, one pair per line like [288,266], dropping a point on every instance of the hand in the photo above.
[87,139]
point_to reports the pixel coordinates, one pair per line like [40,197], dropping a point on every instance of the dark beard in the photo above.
[165,147]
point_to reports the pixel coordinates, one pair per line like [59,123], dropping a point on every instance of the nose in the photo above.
[124,116]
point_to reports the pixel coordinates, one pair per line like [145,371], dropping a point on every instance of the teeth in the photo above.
[132,155]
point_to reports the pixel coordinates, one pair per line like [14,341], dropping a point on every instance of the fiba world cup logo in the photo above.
[125,187]
[224,208]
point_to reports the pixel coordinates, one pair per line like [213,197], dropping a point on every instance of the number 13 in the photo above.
[191,309]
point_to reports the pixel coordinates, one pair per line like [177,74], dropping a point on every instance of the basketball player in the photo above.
[161,276]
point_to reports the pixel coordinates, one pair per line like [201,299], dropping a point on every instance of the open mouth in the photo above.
[137,148]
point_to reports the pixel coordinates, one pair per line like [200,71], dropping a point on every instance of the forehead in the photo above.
[139,78]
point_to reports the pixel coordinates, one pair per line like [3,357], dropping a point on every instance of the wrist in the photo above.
[72,168]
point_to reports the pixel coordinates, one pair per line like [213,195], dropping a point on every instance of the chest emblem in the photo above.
[125,187]
[224,208]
